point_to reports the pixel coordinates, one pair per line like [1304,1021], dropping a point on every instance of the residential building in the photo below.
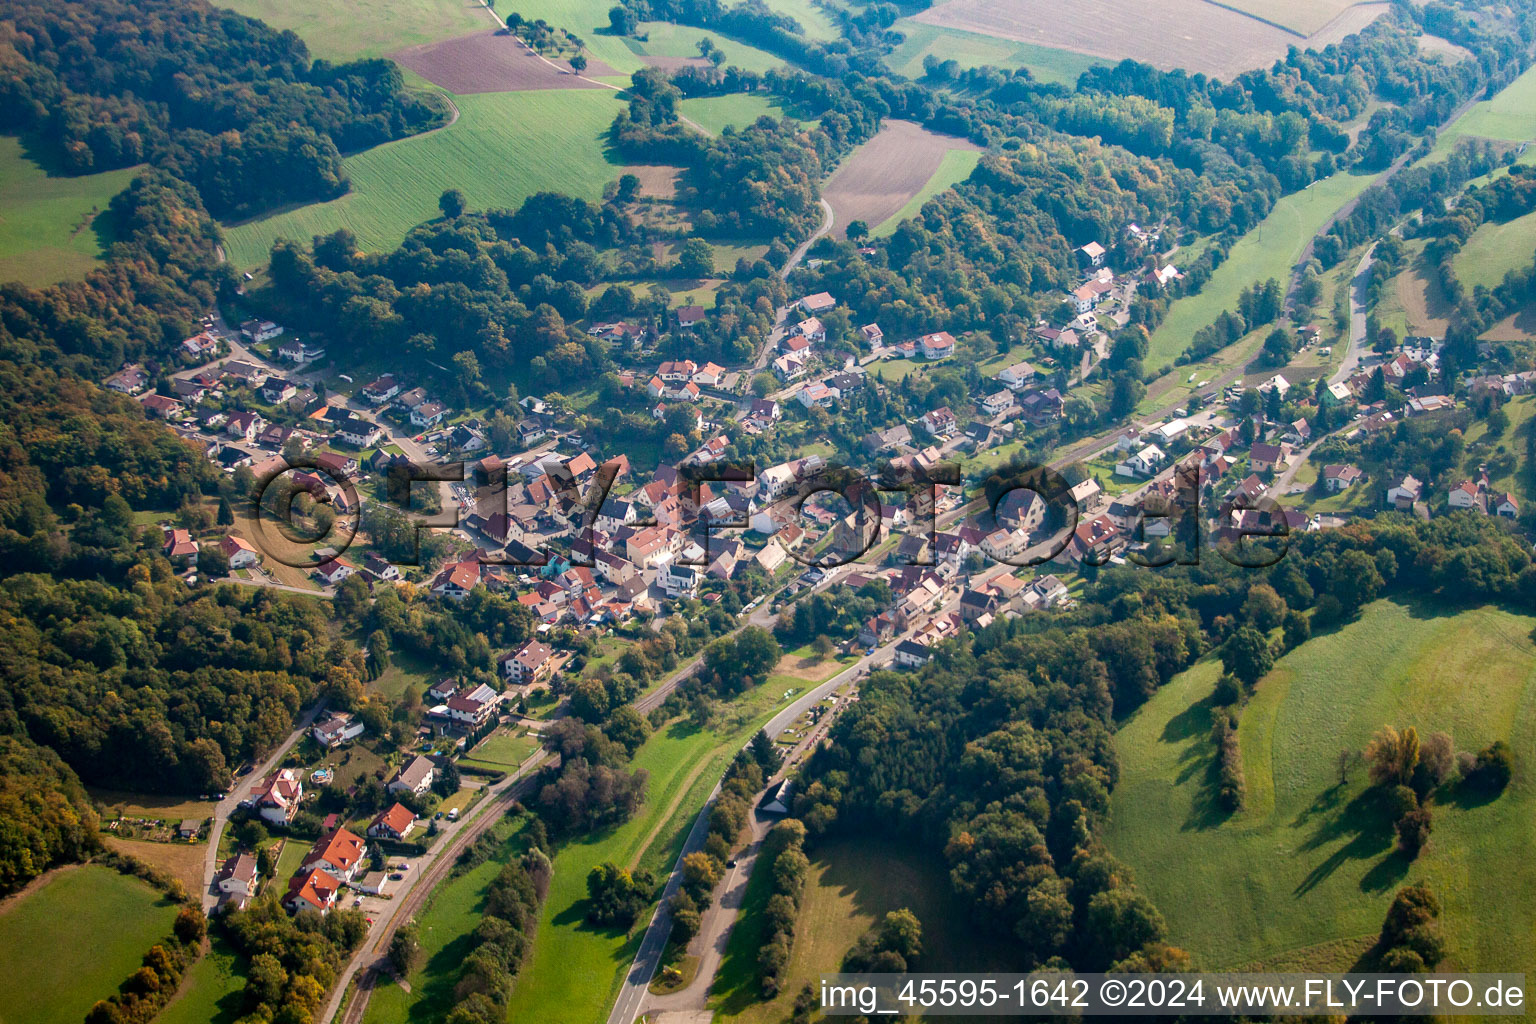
[530,665]
[415,777]
[312,890]
[381,390]
[277,797]
[240,553]
[339,854]
[337,728]
[1338,477]
[940,345]
[395,823]
[260,330]
[238,876]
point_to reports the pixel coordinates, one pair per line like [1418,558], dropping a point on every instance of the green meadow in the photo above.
[1269,250]
[1495,249]
[1301,877]
[973,50]
[665,39]
[1509,116]
[503,148]
[47,232]
[347,30]
[716,113]
[73,940]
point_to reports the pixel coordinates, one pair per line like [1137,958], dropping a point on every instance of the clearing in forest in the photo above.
[1301,877]
[880,177]
[493,61]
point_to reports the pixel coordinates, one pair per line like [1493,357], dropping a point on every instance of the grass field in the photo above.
[183,860]
[814,20]
[955,166]
[1269,250]
[1495,249]
[444,926]
[852,884]
[46,232]
[575,968]
[1304,874]
[349,29]
[73,940]
[973,50]
[504,147]
[665,39]
[1510,116]
[715,113]
[212,991]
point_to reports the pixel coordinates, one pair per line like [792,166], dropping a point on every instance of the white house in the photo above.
[678,580]
[336,729]
[428,414]
[415,777]
[260,330]
[940,345]
[1143,464]
[1018,376]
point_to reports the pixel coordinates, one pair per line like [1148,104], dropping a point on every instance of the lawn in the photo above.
[1269,250]
[852,884]
[1495,249]
[348,30]
[452,913]
[505,748]
[574,969]
[955,166]
[212,991]
[738,109]
[503,148]
[1304,874]
[48,232]
[973,50]
[72,941]
[815,22]
[664,39]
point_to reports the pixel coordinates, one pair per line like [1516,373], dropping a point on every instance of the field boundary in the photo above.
[1261,18]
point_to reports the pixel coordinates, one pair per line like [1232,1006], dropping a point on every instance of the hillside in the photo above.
[1301,877]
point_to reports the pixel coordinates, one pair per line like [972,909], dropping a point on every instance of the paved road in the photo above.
[239,792]
[1358,311]
[633,992]
[431,869]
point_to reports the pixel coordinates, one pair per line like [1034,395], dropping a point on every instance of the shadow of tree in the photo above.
[1367,823]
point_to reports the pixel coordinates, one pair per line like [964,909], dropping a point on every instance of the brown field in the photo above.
[657,181]
[880,176]
[1304,17]
[1192,34]
[491,62]
[1418,289]
[182,860]
[1520,327]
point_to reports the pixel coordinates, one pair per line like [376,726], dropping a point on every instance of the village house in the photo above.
[395,823]
[297,351]
[277,390]
[312,890]
[334,570]
[339,854]
[276,798]
[1268,458]
[238,876]
[358,432]
[530,665]
[909,654]
[456,579]
[1092,254]
[428,414]
[260,330]
[201,346]
[381,390]
[1403,491]
[940,345]
[1017,377]
[240,553]
[689,317]
[161,406]
[873,336]
[940,422]
[820,302]
[1339,477]
[415,777]
[1144,463]
[998,402]
[245,425]
[337,728]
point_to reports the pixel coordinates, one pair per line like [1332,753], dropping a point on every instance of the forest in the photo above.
[247,117]
[998,753]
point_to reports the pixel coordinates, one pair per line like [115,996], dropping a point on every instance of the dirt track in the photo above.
[493,61]
[880,176]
